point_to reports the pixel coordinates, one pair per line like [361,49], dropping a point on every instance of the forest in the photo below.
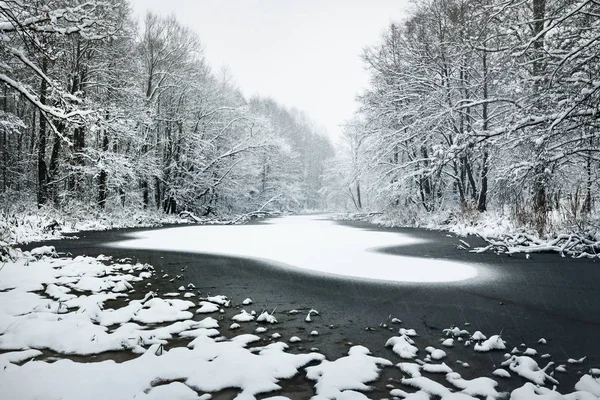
[480,105]
[98,112]
[475,107]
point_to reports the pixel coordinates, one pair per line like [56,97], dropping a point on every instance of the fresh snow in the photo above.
[334,249]
[52,306]
[352,372]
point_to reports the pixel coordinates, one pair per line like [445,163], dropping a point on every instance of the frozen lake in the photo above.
[314,243]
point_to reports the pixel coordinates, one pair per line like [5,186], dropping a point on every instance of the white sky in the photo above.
[302,53]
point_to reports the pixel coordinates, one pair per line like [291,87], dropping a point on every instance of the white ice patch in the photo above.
[311,243]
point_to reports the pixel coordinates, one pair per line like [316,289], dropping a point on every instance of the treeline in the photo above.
[96,111]
[479,105]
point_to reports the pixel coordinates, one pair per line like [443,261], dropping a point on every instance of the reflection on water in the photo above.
[309,242]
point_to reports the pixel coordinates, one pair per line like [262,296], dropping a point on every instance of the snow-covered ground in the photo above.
[52,309]
[313,243]
[32,224]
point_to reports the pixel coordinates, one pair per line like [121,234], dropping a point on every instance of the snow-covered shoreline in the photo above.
[501,234]
[52,306]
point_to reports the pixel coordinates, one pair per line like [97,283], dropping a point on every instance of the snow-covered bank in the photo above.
[34,225]
[313,243]
[52,308]
[502,234]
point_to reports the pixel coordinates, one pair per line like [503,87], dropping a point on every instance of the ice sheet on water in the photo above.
[311,243]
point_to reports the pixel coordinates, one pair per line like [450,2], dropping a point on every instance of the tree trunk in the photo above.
[103,175]
[482,201]
[42,192]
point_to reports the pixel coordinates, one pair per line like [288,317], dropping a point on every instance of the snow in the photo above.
[266,317]
[530,352]
[477,336]
[495,342]
[310,314]
[411,369]
[43,251]
[207,307]
[407,332]
[247,301]
[437,368]
[484,387]
[403,346]
[528,368]
[243,316]
[435,354]
[589,384]
[502,373]
[335,249]
[346,373]
[57,305]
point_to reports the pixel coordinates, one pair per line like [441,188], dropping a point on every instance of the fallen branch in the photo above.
[259,212]
[574,245]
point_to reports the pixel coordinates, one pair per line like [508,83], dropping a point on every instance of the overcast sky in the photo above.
[302,53]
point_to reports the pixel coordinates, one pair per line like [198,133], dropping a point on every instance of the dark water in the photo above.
[523,299]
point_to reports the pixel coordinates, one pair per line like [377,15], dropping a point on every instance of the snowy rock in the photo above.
[495,342]
[43,251]
[334,378]
[235,325]
[589,384]
[310,313]
[435,354]
[576,361]
[247,302]
[437,368]
[530,352]
[266,317]
[448,343]
[295,339]
[243,316]
[207,307]
[403,346]
[407,332]
[527,368]
[502,373]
